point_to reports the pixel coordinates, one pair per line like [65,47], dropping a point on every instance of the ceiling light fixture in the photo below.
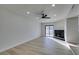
[53,5]
[28,12]
[42,21]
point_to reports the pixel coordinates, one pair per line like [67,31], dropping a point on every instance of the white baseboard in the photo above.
[19,43]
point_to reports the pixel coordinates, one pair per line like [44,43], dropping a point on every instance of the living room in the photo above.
[39,29]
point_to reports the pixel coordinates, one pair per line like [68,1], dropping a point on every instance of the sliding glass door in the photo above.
[49,30]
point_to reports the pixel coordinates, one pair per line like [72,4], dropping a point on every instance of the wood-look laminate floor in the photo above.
[41,46]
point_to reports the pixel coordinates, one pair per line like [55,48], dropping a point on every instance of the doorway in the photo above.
[49,30]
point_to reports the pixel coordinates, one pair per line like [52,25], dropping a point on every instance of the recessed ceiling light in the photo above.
[53,5]
[42,21]
[28,12]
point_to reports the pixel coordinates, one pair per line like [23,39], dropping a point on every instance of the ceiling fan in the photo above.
[44,15]
[41,15]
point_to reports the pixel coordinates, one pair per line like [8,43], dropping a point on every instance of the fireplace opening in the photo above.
[59,34]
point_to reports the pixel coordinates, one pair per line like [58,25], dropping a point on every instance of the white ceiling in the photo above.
[61,10]
[74,11]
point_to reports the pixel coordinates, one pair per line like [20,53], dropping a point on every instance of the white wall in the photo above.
[72,33]
[72,25]
[16,29]
[59,25]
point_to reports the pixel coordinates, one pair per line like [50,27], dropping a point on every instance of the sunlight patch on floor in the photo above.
[60,42]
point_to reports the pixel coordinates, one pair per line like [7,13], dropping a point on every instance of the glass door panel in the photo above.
[49,30]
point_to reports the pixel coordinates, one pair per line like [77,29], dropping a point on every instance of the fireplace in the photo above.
[59,34]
